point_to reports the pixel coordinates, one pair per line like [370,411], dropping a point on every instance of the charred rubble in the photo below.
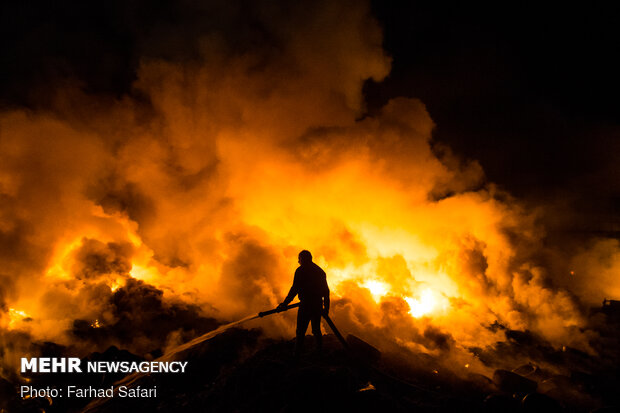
[241,370]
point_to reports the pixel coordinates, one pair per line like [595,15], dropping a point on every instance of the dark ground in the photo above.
[241,371]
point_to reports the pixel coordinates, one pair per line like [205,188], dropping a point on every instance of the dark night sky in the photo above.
[531,92]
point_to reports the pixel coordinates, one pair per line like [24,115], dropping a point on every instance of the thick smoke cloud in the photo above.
[95,258]
[141,217]
[136,316]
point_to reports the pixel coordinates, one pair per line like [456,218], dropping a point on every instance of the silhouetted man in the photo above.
[310,284]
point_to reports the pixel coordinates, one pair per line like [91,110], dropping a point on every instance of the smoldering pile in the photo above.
[364,379]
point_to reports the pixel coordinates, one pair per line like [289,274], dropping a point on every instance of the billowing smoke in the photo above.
[137,221]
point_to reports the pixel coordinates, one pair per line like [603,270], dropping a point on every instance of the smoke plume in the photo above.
[138,220]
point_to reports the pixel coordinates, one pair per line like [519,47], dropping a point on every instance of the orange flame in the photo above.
[16,317]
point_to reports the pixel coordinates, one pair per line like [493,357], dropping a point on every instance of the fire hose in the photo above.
[328,320]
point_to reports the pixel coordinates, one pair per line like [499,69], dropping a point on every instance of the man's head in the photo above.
[304,257]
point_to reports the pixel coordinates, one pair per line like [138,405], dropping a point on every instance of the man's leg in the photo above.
[316,331]
[302,325]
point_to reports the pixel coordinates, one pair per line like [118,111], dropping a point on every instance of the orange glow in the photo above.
[58,267]
[141,273]
[424,305]
[376,288]
[116,285]
[16,317]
